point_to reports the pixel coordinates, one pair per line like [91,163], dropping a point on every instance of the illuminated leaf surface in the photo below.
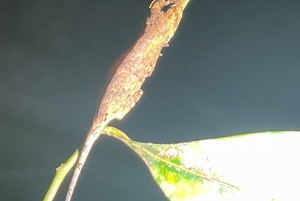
[259,166]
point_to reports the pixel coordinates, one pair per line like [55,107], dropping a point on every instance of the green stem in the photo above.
[61,173]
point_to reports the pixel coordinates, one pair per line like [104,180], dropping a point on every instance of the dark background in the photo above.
[232,67]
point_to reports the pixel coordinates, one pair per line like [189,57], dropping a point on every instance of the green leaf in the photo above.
[260,166]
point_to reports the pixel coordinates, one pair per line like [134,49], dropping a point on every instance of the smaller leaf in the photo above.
[259,166]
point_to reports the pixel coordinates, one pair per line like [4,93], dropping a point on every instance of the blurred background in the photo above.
[232,67]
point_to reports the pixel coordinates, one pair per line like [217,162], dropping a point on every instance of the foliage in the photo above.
[258,166]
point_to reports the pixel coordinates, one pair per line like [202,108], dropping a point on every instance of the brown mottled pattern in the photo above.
[124,89]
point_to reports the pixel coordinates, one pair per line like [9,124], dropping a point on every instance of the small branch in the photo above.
[61,173]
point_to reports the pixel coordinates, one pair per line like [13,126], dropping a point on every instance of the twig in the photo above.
[61,173]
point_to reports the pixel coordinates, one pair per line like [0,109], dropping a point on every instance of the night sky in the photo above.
[232,67]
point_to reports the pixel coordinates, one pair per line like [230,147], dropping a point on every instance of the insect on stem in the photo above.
[124,89]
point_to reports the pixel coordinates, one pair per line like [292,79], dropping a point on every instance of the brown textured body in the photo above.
[124,89]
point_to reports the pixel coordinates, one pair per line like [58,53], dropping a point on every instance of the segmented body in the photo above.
[124,89]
